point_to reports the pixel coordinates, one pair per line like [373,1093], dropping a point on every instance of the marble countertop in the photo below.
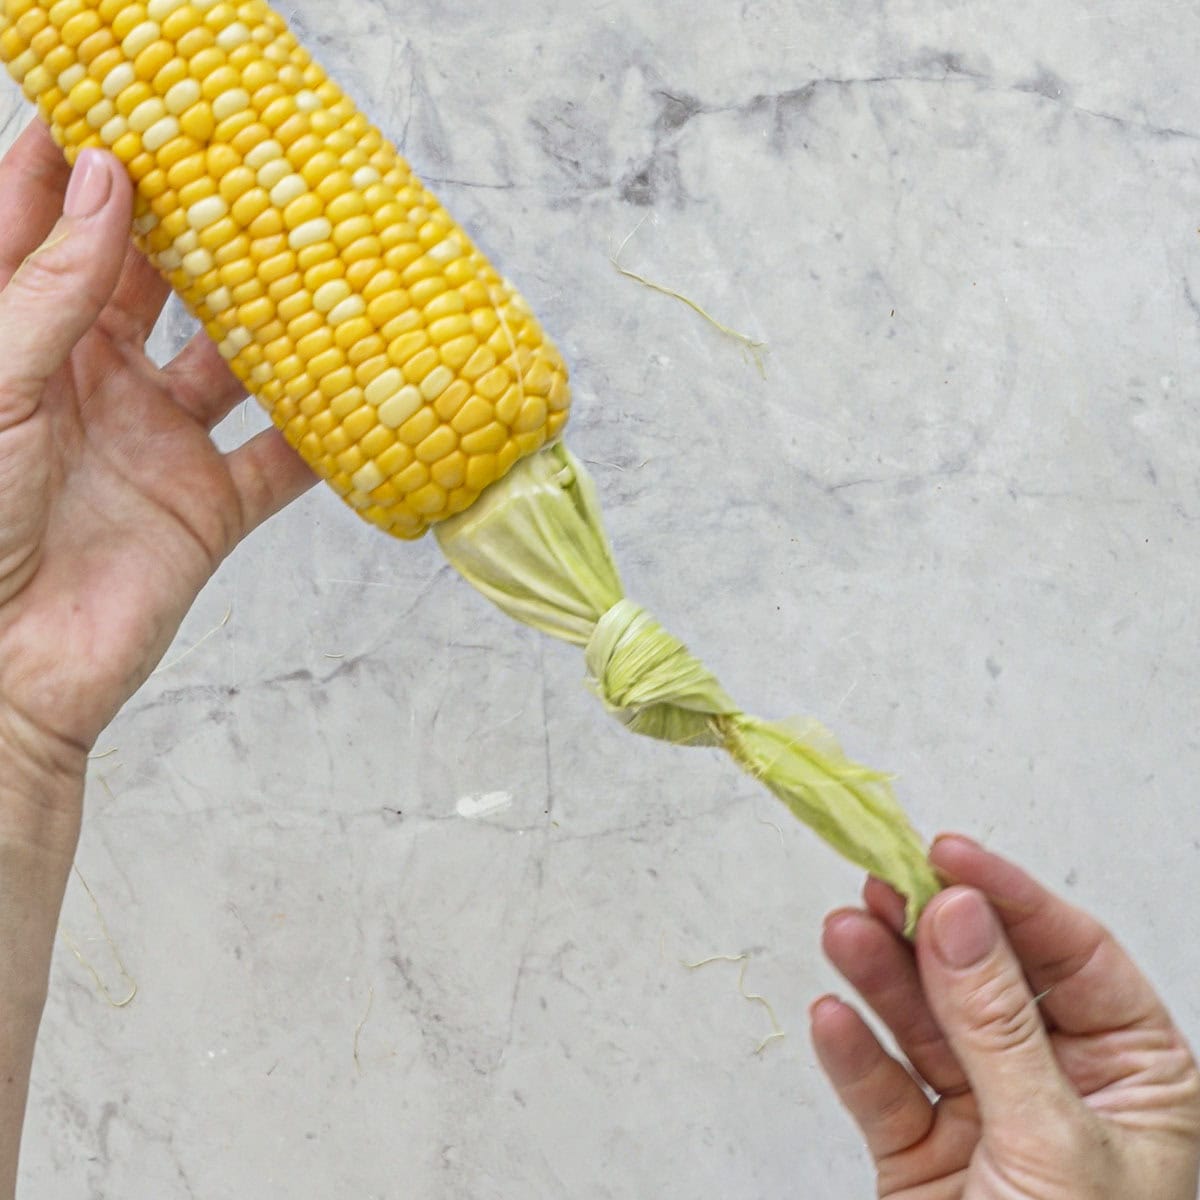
[406,913]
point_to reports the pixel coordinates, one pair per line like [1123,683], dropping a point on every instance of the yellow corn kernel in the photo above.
[426,290]
[481,470]
[448,328]
[180,22]
[82,25]
[325,363]
[473,415]
[276,267]
[202,62]
[506,408]
[420,365]
[173,71]
[429,499]
[450,402]
[447,304]
[436,382]
[437,445]
[317,342]
[149,61]
[451,471]
[337,382]
[198,122]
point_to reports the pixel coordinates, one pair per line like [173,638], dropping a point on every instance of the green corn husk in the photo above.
[534,544]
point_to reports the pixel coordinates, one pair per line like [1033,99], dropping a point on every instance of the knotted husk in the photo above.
[534,544]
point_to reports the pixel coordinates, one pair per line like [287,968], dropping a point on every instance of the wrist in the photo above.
[41,786]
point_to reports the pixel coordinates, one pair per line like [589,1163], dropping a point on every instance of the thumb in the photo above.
[60,289]
[979,996]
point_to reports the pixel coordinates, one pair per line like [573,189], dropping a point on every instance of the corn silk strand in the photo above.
[534,544]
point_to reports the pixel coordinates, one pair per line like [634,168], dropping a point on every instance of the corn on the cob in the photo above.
[392,356]
[397,362]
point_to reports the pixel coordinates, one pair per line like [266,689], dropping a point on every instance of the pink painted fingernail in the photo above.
[90,186]
[964,929]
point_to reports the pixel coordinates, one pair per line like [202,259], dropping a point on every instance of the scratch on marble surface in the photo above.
[359,1027]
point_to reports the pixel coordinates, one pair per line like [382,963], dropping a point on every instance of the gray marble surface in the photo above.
[406,915]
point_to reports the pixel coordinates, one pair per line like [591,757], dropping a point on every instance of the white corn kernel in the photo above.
[182,96]
[114,130]
[367,478]
[310,233]
[308,101]
[160,133]
[101,113]
[352,307]
[258,156]
[198,263]
[365,177]
[236,341]
[71,76]
[436,382]
[407,402]
[329,295]
[158,10]
[229,103]
[271,173]
[118,79]
[445,251]
[385,385]
[139,37]
[233,36]
[146,114]
[204,212]
[219,301]
[289,188]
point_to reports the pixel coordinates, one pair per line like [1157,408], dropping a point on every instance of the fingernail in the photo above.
[90,186]
[961,838]
[964,930]
[829,1002]
[839,914]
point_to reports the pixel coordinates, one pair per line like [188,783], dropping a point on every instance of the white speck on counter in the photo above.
[474,807]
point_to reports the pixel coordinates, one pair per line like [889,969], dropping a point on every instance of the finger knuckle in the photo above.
[893,1107]
[53,270]
[1002,1014]
[43,270]
[19,400]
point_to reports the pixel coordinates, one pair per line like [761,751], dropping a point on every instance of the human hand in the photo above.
[115,505]
[1088,1093]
